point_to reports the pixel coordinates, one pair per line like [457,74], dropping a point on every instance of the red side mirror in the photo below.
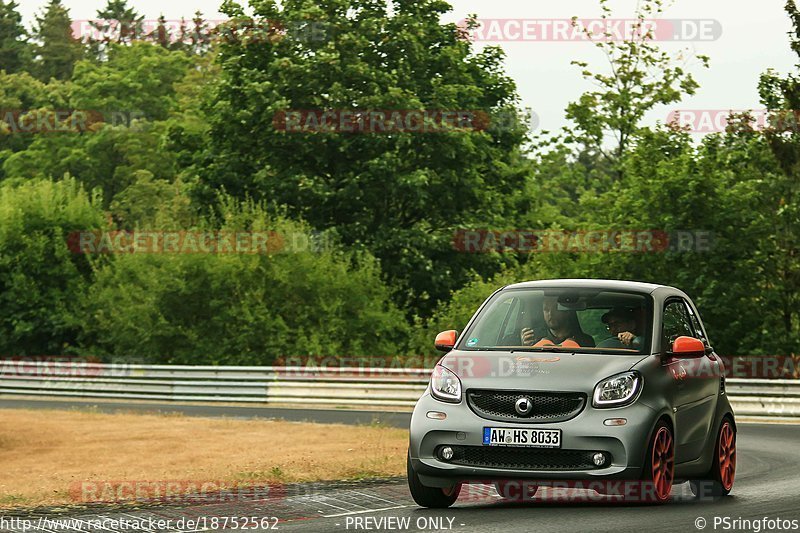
[689,347]
[446,340]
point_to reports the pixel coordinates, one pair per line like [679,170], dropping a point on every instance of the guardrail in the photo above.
[252,384]
[764,397]
[351,387]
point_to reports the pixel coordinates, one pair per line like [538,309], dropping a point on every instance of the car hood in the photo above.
[545,371]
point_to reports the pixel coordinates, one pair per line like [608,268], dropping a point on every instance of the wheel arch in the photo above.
[724,410]
[664,416]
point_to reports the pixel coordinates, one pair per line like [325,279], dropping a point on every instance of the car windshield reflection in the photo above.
[562,320]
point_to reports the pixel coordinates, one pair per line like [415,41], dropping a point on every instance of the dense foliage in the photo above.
[152,131]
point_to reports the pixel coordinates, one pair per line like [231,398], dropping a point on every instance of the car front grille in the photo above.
[547,406]
[524,458]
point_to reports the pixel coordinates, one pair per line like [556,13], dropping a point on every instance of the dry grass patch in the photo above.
[46,453]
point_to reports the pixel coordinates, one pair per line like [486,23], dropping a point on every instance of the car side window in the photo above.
[676,323]
[696,324]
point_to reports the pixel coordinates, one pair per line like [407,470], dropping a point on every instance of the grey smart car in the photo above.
[579,380]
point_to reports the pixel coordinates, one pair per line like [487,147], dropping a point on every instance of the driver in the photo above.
[563,328]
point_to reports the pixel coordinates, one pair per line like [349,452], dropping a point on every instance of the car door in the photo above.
[696,390]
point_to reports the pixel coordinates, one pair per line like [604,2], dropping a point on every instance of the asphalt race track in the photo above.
[767,486]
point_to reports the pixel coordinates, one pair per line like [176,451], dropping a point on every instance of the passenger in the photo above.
[562,325]
[622,324]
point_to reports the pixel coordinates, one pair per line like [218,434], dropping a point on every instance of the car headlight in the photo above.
[618,390]
[445,385]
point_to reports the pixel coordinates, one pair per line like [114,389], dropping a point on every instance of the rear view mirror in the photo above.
[446,340]
[688,347]
[571,302]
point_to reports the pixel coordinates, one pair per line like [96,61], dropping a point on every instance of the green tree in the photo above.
[109,159]
[642,76]
[20,95]
[714,191]
[42,283]
[14,47]
[200,35]
[154,203]
[738,284]
[234,308]
[138,106]
[161,34]
[135,81]
[119,23]
[781,95]
[57,49]
[402,195]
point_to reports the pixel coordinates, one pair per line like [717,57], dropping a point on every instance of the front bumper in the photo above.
[463,429]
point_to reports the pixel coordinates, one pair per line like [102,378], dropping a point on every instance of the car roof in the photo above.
[610,284]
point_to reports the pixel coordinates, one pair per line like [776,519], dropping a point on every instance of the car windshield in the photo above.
[564,319]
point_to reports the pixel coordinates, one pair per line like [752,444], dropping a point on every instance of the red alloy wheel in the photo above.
[662,463]
[726,454]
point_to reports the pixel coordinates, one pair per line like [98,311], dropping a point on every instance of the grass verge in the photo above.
[49,455]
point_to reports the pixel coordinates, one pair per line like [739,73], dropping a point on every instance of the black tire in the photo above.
[431,497]
[659,469]
[705,488]
[511,490]
[719,480]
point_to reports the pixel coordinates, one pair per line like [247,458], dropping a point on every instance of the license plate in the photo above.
[535,438]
